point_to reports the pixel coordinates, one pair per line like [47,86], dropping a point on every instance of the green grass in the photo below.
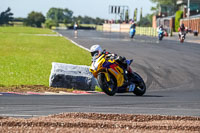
[98,89]
[25,59]
[25,30]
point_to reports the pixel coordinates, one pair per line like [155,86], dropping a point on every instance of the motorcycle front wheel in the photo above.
[110,88]
[160,37]
[140,87]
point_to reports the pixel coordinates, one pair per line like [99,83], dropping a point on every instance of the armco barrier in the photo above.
[148,31]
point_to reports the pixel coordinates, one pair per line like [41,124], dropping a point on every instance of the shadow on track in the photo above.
[126,95]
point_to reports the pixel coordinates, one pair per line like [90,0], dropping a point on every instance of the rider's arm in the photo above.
[158,29]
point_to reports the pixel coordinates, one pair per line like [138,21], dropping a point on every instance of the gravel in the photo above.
[32,88]
[98,123]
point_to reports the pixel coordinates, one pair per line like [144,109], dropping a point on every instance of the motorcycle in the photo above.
[182,36]
[160,34]
[132,32]
[114,79]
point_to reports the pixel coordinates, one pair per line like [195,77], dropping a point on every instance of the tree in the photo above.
[35,19]
[126,16]
[165,2]
[168,3]
[155,9]
[78,20]
[178,16]
[135,15]
[60,15]
[99,21]
[6,16]
[87,20]
[19,19]
[141,13]
[50,23]
[146,21]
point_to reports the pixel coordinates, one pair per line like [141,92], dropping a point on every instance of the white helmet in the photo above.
[95,49]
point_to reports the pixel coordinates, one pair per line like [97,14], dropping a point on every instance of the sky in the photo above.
[92,8]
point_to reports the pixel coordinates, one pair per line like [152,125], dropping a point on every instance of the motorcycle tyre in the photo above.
[181,40]
[132,35]
[137,91]
[105,86]
[160,38]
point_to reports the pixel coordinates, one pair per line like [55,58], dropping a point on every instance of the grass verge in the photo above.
[25,58]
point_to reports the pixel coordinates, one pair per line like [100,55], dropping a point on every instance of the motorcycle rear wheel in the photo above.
[110,88]
[160,38]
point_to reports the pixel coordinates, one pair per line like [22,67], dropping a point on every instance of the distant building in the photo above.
[193,20]
[194,7]
[166,15]
[166,10]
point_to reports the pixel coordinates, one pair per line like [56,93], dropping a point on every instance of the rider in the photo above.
[181,29]
[75,26]
[75,30]
[132,29]
[97,51]
[133,24]
[160,28]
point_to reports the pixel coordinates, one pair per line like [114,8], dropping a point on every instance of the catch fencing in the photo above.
[148,31]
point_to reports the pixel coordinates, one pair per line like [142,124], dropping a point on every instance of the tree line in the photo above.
[6,16]
[53,17]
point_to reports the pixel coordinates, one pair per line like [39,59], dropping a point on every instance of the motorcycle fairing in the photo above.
[118,72]
[109,66]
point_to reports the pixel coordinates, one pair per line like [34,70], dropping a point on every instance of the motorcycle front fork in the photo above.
[127,72]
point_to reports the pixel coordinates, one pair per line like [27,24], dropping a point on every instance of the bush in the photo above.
[179,15]
[35,19]
[50,23]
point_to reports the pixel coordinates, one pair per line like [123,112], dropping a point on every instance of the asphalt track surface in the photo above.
[171,71]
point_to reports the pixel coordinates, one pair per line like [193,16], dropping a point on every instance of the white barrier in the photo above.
[71,76]
[149,31]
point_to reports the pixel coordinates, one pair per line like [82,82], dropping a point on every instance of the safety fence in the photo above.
[192,23]
[148,31]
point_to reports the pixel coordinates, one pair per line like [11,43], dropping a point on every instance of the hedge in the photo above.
[178,16]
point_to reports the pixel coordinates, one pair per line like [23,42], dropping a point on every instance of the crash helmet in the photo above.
[182,25]
[95,50]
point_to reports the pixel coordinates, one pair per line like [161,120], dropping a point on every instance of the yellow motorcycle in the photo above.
[114,79]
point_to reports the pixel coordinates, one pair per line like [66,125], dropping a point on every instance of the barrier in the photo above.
[71,76]
[148,31]
[115,28]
